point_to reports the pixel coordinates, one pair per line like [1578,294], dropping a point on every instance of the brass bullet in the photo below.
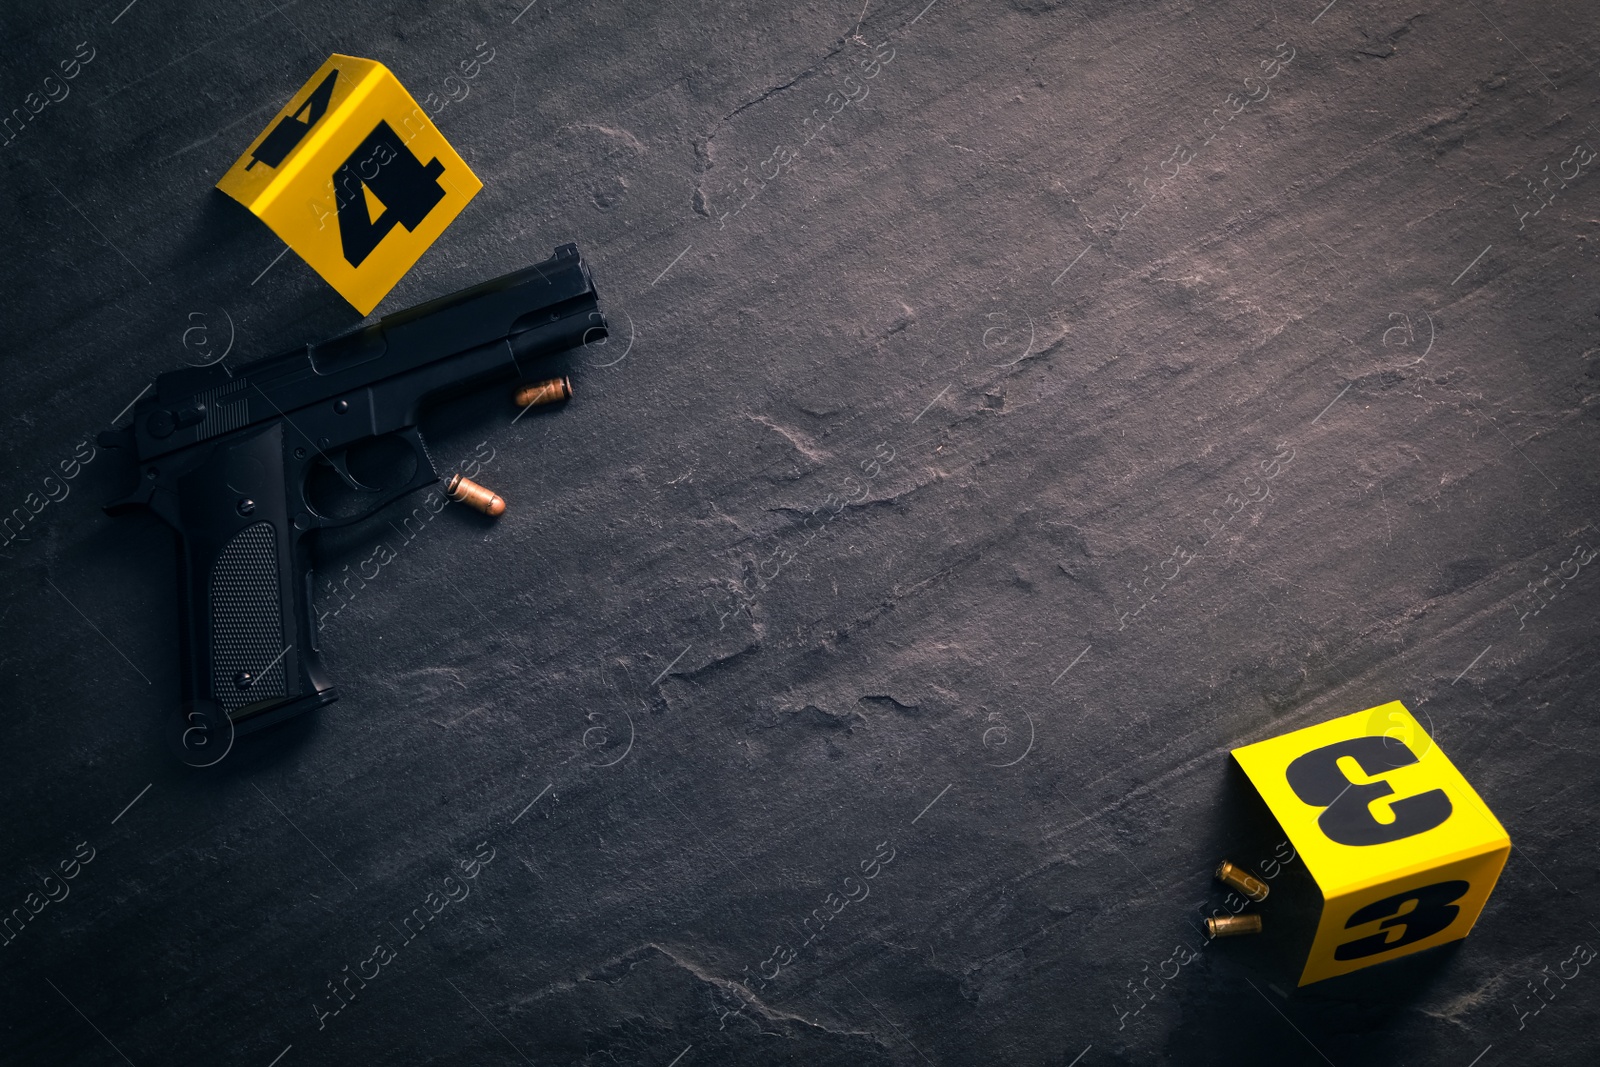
[1232,925]
[474,496]
[1242,880]
[545,392]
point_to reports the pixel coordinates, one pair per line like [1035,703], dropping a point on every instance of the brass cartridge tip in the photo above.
[1232,925]
[474,496]
[545,392]
[1242,880]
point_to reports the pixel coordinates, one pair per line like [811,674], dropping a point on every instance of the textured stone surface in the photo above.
[673,776]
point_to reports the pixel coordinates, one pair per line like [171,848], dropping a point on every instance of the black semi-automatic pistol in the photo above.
[227,460]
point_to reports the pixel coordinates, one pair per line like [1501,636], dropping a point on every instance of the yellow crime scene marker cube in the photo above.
[1401,849]
[354,177]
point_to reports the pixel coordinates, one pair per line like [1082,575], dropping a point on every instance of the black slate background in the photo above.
[700,778]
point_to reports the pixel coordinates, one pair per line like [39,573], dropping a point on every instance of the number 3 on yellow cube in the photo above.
[354,177]
[1402,850]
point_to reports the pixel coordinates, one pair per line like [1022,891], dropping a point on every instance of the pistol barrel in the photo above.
[493,331]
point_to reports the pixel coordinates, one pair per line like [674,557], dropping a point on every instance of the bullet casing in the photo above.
[550,391]
[475,496]
[1242,880]
[1232,925]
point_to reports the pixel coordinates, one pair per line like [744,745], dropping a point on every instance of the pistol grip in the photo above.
[248,637]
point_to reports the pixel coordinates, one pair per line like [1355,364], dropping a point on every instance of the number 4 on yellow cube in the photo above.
[354,177]
[1403,852]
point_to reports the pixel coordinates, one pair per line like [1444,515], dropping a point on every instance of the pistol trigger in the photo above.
[376,499]
[340,462]
[423,477]
[419,448]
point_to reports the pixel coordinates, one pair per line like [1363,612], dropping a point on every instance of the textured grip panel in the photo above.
[247,620]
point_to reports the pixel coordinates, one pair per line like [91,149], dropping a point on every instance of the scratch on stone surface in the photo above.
[730,520]
[615,971]
[820,716]
[802,443]
[249,115]
[887,605]
[720,662]
[1309,706]
[774,90]
[884,698]
[612,132]
[944,572]
[437,672]
[849,505]
[1452,1010]
[1043,350]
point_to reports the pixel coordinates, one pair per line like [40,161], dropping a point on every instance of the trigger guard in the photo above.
[425,476]
[308,517]
[341,467]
